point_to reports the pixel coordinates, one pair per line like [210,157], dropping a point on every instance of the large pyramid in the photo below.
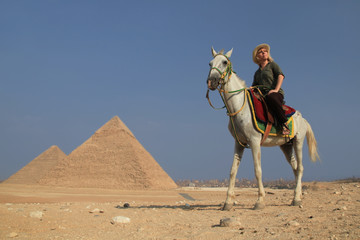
[111,158]
[37,168]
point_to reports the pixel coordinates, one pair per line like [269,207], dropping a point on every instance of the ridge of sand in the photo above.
[37,168]
[111,158]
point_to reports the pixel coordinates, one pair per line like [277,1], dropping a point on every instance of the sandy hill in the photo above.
[37,168]
[111,158]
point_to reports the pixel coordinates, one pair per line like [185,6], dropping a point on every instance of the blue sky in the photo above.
[67,67]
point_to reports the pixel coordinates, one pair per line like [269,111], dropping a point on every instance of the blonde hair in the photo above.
[259,47]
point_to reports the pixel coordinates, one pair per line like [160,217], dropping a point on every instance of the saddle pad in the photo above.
[259,120]
[274,131]
[259,108]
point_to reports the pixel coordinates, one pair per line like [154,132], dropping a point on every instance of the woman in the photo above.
[269,78]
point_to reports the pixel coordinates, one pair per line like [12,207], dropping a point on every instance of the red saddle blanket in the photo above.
[259,108]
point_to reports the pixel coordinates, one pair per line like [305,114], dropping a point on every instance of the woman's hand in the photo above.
[272,91]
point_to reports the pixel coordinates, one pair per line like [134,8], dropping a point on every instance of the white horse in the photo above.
[232,89]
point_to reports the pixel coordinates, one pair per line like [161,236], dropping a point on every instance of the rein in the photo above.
[222,92]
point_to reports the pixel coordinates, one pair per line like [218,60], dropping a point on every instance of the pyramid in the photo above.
[37,168]
[111,158]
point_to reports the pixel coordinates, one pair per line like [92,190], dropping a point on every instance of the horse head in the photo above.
[220,66]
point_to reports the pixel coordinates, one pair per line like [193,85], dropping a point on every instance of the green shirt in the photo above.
[267,78]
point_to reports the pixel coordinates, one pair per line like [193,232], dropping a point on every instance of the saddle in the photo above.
[263,119]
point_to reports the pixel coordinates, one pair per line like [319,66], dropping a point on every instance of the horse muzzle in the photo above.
[213,83]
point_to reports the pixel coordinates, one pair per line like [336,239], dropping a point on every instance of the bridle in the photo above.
[228,70]
[225,78]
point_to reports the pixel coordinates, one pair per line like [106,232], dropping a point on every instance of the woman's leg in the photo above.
[275,102]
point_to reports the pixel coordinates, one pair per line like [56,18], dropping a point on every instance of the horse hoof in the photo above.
[227,207]
[259,206]
[296,203]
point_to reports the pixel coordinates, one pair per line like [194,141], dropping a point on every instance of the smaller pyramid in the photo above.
[37,168]
[111,158]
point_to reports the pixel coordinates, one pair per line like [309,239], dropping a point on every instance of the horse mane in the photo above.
[242,82]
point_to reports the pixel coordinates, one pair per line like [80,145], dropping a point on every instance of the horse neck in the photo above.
[234,100]
[234,83]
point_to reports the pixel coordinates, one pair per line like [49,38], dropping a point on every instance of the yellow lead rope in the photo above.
[246,93]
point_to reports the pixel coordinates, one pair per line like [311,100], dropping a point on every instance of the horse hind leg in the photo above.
[288,151]
[298,146]
[290,157]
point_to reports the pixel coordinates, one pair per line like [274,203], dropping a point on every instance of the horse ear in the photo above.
[214,53]
[228,54]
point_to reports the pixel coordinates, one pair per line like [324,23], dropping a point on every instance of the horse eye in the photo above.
[225,62]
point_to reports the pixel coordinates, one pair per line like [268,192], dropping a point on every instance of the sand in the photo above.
[330,210]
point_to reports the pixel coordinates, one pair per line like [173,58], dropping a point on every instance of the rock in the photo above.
[187,206]
[293,223]
[96,210]
[12,235]
[120,219]
[36,214]
[344,208]
[229,222]
[126,205]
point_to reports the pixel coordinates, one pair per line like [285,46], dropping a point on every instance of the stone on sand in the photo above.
[36,214]
[120,219]
[229,222]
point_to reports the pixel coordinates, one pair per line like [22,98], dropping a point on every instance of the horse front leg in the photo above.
[256,152]
[230,198]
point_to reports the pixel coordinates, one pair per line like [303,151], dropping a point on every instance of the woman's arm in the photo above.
[278,85]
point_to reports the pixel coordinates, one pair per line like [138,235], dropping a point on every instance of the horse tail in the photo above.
[312,144]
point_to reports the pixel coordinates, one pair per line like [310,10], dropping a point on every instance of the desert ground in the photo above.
[330,210]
